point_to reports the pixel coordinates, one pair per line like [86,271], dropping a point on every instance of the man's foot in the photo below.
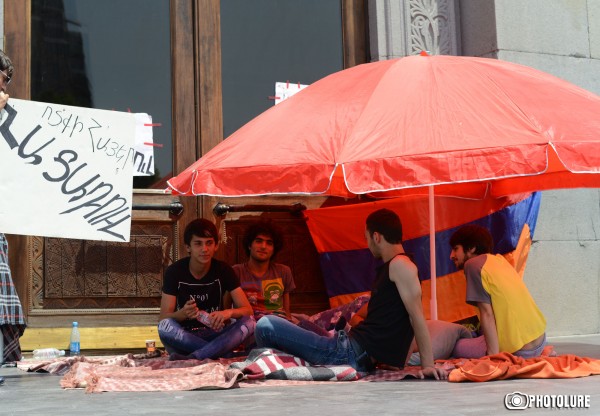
[340,324]
[176,357]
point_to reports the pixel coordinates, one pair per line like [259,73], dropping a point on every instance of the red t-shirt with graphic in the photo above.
[265,293]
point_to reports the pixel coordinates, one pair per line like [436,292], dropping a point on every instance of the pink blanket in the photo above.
[272,367]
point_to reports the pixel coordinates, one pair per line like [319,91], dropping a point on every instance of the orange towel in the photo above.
[504,366]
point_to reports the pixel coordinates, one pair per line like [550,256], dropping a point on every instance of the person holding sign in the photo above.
[5,77]
[194,322]
[6,73]
[12,319]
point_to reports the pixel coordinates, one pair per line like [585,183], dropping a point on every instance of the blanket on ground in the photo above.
[266,363]
[271,367]
[61,366]
[96,378]
[137,372]
[504,366]
[134,373]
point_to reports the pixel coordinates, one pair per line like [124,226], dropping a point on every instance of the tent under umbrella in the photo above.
[467,126]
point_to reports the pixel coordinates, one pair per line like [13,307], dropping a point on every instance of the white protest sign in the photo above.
[143,158]
[284,90]
[66,171]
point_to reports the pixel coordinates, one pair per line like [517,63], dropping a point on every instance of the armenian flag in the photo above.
[349,268]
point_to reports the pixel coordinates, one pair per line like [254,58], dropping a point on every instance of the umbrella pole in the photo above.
[433,301]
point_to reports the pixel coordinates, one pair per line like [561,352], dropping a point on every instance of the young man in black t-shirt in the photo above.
[394,314]
[193,320]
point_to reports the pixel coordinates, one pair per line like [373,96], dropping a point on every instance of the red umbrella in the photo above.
[467,125]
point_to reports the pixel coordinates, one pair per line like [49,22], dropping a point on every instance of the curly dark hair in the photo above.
[6,64]
[472,235]
[265,227]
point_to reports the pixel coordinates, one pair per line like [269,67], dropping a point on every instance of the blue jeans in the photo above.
[204,342]
[477,348]
[535,352]
[275,332]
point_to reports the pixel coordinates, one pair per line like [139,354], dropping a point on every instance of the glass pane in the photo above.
[268,41]
[109,54]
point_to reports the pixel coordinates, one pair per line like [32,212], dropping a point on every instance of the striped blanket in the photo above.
[266,363]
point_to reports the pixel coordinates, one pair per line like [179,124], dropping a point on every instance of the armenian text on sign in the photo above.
[66,171]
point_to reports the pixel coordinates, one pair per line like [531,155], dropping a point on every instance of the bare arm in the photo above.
[286,306]
[227,301]
[404,274]
[241,307]
[488,326]
[241,304]
[167,309]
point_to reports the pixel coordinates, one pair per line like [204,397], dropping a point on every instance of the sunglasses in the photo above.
[6,77]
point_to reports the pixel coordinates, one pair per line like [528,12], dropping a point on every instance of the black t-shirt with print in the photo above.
[208,292]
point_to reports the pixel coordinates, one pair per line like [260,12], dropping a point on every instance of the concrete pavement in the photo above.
[40,394]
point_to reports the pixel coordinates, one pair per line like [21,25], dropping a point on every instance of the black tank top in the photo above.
[386,332]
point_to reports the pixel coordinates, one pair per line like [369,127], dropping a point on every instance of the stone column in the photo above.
[400,28]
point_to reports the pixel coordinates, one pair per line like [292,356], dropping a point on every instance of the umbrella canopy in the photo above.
[469,126]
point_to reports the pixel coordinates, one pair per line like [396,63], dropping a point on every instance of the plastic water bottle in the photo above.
[204,318]
[47,353]
[74,346]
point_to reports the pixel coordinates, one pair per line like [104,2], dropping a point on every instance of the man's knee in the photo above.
[166,326]
[250,323]
[247,325]
[264,323]
[263,328]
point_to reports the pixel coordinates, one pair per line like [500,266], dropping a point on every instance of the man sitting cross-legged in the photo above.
[394,314]
[194,321]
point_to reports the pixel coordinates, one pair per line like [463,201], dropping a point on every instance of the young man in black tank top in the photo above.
[394,314]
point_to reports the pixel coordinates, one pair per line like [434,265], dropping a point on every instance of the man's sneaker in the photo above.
[340,324]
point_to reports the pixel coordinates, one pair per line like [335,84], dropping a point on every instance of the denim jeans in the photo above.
[477,348]
[275,332]
[535,352]
[204,342]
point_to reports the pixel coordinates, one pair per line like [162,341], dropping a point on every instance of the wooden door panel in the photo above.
[82,274]
[121,259]
[95,276]
[150,264]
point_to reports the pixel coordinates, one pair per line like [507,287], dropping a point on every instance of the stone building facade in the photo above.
[561,37]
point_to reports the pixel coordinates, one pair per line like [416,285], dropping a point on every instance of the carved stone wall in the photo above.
[403,28]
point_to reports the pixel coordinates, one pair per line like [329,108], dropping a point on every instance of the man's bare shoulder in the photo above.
[402,267]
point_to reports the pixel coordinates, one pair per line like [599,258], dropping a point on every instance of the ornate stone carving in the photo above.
[432,27]
[402,28]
